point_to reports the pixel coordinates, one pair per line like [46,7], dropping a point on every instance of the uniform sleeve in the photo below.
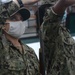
[59,46]
[68,50]
[32,62]
[50,25]
[52,16]
[50,33]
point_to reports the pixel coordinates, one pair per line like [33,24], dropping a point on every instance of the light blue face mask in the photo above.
[16,29]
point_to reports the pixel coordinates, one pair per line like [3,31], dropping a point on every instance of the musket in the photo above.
[39,16]
[41,56]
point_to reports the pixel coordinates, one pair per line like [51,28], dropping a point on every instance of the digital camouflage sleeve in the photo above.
[59,46]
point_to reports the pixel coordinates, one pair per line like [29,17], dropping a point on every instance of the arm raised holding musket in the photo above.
[59,46]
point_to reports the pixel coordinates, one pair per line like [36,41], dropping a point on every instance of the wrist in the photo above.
[69,2]
[53,11]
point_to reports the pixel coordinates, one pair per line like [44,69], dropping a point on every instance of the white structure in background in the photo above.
[36,47]
[74,37]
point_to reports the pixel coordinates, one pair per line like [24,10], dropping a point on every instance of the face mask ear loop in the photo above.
[1,32]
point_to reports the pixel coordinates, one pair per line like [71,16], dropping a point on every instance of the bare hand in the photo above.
[68,2]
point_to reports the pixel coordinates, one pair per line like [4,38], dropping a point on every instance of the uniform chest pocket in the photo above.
[14,63]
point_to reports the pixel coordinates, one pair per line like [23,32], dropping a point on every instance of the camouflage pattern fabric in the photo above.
[13,62]
[59,46]
[9,9]
[48,1]
[6,10]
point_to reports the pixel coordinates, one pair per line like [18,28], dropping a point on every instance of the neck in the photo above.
[13,40]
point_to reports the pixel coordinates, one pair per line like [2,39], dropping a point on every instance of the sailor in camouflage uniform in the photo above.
[59,46]
[15,57]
